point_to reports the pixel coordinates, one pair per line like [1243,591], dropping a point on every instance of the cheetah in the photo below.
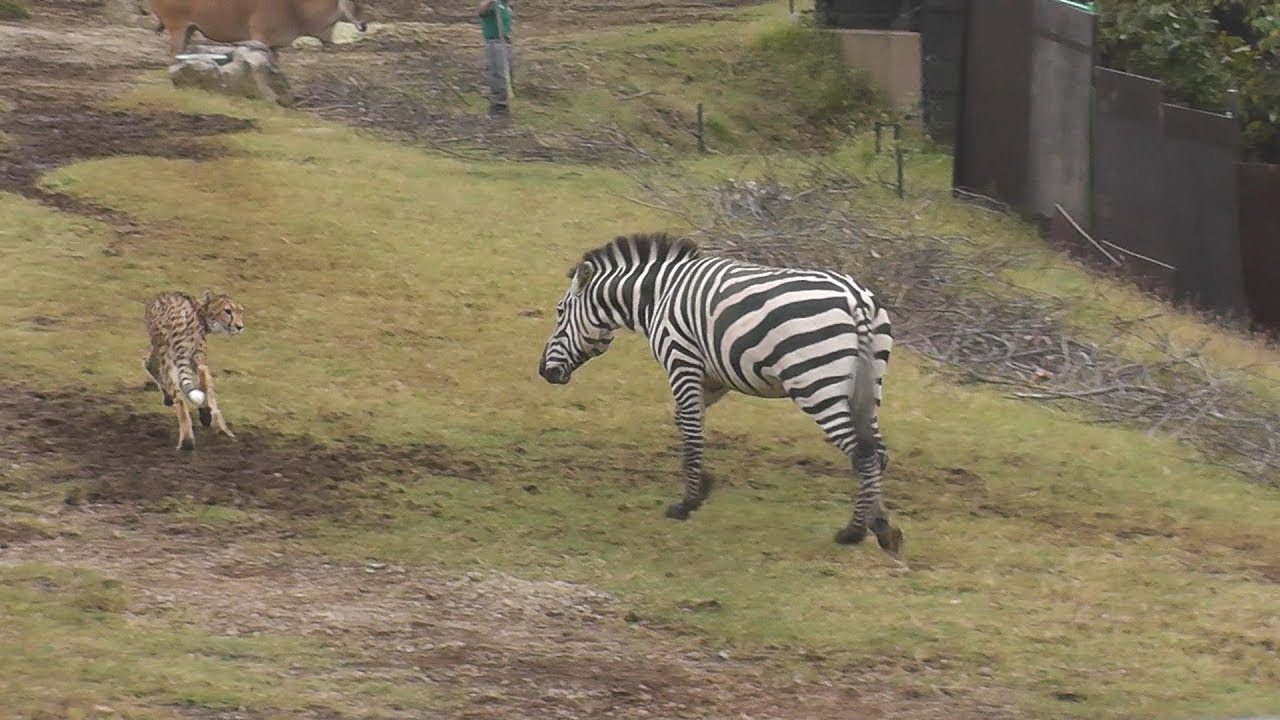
[178,326]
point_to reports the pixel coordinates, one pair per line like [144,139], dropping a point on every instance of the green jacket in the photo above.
[489,22]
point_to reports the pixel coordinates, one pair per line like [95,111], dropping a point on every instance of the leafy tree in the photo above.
[1201,49]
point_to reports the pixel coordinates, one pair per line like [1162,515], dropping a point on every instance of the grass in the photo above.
[13,10]
[665,72]
[1081,571]
[74,649]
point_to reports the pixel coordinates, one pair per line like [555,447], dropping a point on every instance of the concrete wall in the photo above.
[1061,88]
[892,59]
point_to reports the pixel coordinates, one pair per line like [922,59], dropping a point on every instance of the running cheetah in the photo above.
[176,363]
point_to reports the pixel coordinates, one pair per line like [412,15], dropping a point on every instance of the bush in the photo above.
[820,86]
[1201,49]
[11,10]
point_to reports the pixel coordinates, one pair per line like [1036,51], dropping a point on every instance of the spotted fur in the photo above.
[177,362]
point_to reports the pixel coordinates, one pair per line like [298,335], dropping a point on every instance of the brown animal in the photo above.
[274,23]
[177,362]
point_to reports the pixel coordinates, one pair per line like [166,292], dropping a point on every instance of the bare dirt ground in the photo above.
[503,647]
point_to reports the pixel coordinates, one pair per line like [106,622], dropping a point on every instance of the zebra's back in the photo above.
[765,331]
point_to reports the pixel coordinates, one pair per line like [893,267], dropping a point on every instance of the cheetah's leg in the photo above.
[186,433]
[212,413]
[152,367]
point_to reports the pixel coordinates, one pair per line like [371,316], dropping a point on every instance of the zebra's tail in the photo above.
[187,381]
[863,398]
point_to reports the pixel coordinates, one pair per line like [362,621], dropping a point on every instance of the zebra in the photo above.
[719,325]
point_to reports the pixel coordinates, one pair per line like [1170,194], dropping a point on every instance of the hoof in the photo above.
[168,400]
[187,444]
[678,511]
[851,535]
[890,539]
[206,416]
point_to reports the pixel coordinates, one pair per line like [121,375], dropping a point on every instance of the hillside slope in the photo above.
[411,523]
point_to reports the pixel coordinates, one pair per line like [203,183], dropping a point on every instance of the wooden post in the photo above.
[897,144]
[702,143]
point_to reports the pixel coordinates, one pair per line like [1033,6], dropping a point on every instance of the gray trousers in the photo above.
[494,53]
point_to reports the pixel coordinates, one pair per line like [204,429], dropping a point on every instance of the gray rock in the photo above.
[133,13]
[246,70]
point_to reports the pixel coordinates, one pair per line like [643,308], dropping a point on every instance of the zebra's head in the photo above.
[583,328]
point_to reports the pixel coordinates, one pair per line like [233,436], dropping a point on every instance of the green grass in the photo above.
[650,80]
[13,10]
[1050,556]
[72,648]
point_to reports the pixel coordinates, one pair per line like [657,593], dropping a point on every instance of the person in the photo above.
[498,55]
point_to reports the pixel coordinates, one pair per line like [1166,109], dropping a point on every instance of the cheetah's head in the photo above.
[223,314]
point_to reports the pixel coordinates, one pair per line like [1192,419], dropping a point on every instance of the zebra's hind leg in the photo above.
[869,510]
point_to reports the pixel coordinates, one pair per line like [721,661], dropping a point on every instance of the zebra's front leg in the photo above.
[690,410]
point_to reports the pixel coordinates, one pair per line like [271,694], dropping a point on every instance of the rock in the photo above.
[133,13]
[344,33]
[248,71]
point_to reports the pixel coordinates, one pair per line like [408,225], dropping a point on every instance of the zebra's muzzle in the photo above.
[554,374]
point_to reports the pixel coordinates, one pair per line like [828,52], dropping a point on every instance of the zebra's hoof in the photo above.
[187,444]
[890,539]
[206,416]
[851,535]
[168,400]
[678,511]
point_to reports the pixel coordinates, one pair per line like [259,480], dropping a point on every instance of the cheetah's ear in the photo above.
[208,296]
[582,276]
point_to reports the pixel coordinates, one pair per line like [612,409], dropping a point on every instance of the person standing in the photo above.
[499,60]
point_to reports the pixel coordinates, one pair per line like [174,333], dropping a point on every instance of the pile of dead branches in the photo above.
[953,308]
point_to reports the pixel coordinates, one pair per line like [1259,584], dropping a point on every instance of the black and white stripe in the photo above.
[719,325]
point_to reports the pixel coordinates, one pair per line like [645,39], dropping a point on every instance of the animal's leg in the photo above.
[179,36]
[151,366]
[164,361]
[686,386]
[869,464]
[212,412]
[829,405]
[186,433]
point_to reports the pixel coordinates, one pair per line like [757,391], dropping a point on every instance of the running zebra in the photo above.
[719,325]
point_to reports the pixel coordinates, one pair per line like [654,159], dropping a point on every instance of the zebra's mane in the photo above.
[640,245]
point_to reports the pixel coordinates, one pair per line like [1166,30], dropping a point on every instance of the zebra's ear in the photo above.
[582,276]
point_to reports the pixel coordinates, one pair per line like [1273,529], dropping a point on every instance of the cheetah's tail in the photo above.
[188,385]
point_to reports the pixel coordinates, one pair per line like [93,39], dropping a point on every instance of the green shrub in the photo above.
[820,87]
[1201,49]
